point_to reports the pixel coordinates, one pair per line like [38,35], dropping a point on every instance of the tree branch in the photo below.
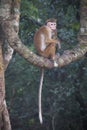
[14,15]
[15,42]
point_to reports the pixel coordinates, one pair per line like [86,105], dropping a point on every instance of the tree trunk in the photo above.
[4,116]
[82,35]
[7,10]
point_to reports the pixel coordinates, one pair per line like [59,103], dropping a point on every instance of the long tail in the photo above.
[40,93]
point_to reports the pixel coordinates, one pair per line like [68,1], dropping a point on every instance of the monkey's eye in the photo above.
[53,24]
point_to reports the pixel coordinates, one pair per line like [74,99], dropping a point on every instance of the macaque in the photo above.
[45,40]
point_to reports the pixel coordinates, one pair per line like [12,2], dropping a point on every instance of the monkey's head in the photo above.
[51,23]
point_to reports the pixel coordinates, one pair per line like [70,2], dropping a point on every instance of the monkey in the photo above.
[45,40]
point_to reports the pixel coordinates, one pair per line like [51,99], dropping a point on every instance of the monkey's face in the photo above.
[52,25]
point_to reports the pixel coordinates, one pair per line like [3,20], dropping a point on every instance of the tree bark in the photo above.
[14,13]
[4,116]
[2,89]
[82,35]
[7,9]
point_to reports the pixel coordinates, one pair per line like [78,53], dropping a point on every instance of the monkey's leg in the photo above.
[47,51]
[52,54]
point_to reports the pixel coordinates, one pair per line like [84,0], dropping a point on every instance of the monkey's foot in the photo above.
[55,64]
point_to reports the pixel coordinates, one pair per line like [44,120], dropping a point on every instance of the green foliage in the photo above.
[28,9]
[29,13]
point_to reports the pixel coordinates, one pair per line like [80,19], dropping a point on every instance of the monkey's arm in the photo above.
[51,41]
